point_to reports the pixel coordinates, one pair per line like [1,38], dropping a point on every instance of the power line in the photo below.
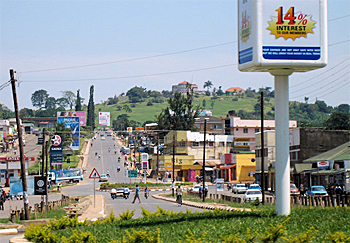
[131,59]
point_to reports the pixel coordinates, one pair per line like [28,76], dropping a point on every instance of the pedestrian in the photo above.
[146,192]
[2,201]
[200,191]
[137,194]
[126,192]
[179,195]
[205,191]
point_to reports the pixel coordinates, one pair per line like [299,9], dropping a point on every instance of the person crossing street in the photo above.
[137,194]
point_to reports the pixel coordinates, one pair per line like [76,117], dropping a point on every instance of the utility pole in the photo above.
[173,185]
[43,153]
[46,174]
[21,152]
[157,156]
[262,147]
[205,133]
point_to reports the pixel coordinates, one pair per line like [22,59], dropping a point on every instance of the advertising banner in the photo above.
[220,184]
[104,119]
[323,165]
[56,150]
[40,185]
[16,187]
[74,124]
[80,114]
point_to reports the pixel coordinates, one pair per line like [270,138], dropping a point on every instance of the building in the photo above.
[238,167]
[234,90]
[185,87]
[214,124]
[244,130]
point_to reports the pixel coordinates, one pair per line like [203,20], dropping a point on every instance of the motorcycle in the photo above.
[113,195]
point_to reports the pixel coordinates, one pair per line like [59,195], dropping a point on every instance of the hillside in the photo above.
[141,112]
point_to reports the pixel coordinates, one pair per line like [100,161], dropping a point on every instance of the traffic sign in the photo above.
[132,173]
[94,174]
[144,165]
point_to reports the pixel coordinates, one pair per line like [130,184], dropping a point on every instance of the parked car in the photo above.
[103,138]
[316,191]
[103,178]
[293,189]
[239,188]
[252,195]
[195,188]
[255,186]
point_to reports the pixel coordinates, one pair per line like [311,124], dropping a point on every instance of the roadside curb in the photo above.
[209,206]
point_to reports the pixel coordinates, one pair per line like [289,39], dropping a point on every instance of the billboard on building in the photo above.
[74,124]
[80,114]
[104,119]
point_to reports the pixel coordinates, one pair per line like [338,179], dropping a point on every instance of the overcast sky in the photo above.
[149,43]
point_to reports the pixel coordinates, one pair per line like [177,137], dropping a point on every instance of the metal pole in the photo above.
[205,133]
[282,143]
[20,141]
[262,147]
[43,152]
[46,174]
[94,194]
[157,157]
[173,185]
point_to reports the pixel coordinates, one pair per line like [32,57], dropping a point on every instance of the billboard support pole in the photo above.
[282,164]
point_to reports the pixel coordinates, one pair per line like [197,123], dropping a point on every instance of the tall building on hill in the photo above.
[184,86]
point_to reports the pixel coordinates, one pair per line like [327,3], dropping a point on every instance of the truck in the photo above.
[72,175]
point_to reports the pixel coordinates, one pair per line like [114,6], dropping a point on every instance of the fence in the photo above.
[340,200]
[41,207]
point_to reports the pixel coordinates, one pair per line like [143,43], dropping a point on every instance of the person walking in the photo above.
[126,192]
[137,194]
[179,195]
[200,191]
[146,192]
[2,201]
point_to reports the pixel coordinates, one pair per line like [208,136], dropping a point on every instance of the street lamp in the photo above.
[203,168]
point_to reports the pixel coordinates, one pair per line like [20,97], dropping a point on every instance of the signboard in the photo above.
[56,151]
[129,129]
[80,114]
[74,124]
[323,165]
[40,185]
[94,174]
[132,173]
[104,119]
[282,34]
[144,157]
[16,187]
[220,184]
[144,165]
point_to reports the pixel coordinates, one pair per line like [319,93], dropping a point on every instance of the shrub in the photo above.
[79,237]
[127,214]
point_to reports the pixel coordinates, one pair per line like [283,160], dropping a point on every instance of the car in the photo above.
[316,191]
[252,195]
[103,178]
[195,188]
[103,138]
[255,186]
[239,188]
[293,189]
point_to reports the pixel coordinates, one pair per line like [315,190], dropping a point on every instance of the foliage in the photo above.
[112,100]
[90,119]
[127,215]
[308,236]
[50,103]
[79,237]
[5,112]
[121,123]
[338,237]
[39,98]
[40,233]
[180,113]
[136,94]
[237,238]
[78,106]
[274,232]
[338,121]
[26,112]
[190,237]
[70,97]
[142,236]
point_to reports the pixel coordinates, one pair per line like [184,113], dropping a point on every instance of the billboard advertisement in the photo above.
[16,186]
[282,33]
[56,150]
[80,114]
[73,124]
[104,119]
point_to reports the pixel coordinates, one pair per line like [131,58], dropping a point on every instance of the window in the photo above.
[217,127]
[198,125]
[236,129]
[245,130]
[195,144]
[257,130]
[211,127]
[221,144]
[182,144]
[229,144]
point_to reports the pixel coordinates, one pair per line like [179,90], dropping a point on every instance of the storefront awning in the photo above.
[302,167]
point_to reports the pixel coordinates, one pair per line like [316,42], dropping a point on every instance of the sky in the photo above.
[116,45]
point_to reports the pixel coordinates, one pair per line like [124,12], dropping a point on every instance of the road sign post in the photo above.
[94,175]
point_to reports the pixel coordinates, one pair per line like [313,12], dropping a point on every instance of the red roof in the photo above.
[184,82]
[232,89]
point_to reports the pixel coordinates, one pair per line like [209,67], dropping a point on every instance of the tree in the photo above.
[50,103]
[345,108]
[71,98]
[26,112]
[5,112]
[62,102]
[136,94]
[338,121]
[78,102]
[208,84]
[127,108]
[204,103]
[112,100]
[121,123]
[39,98]
[219,92]
[180,113]
[91,109]
[306,99]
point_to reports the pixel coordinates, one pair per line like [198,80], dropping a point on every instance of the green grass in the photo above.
[224,225]
[141,112]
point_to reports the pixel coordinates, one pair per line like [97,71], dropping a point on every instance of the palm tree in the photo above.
[208,85]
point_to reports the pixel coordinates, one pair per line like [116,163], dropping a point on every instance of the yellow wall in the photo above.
[244,164]
[181,162]
[181,136]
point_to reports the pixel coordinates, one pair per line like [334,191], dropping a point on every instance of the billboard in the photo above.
[16,186]
[56,150]
[104,119]
[74,124]
[80,114]
[282,34]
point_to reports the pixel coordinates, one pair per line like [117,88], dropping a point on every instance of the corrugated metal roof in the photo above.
[341,152]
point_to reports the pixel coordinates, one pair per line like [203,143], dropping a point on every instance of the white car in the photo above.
[195,188]
[239,188]
[252,195]
[103,178]
[103,138]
